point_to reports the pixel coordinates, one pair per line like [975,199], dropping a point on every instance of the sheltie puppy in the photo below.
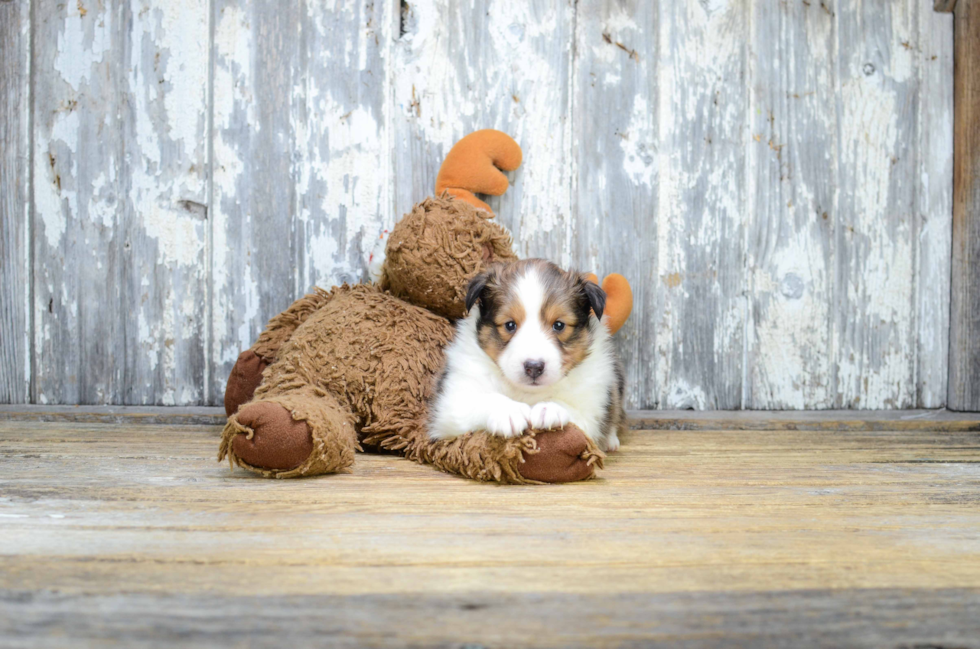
[532,353]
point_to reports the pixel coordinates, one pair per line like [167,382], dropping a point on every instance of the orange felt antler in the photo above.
[473,166]
[619,300]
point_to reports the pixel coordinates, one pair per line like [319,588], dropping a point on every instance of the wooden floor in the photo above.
[847,534]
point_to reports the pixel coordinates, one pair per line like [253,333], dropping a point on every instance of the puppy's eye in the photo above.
[510,326]
[559,326]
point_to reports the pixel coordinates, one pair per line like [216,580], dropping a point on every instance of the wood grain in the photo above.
[301,159]
[135,533]
[745,420]
[808,420]
[15,227]
[120,171]
[934,205]
[204,416]
[615,167]
[875,239]
[964,335]
[864,618]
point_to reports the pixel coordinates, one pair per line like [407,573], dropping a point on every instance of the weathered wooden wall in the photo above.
[774,178]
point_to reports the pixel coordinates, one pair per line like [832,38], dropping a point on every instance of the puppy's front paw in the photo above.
[547,415]
[611,444]
[509,419]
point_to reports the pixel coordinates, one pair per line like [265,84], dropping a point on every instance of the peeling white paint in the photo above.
[638,154]
[340,159]
[232,75]
[80,34]
[120,142]
[185,73]
[793,365]
[349,171]
[700,206]
[681,395]
[54,186]
[874,369]
[233,313]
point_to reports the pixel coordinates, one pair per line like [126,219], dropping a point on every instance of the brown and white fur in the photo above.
[531,354]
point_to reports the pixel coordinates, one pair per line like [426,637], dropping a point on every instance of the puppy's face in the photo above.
[534,319]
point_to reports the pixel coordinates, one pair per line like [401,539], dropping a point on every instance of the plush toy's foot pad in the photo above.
[244,379]
[278,441]
[563,456]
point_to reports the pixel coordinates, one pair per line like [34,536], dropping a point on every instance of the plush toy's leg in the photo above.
[247,374]
[564,455]
[300,432]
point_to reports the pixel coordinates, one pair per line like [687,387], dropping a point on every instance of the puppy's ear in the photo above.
[596,296]
[477,285]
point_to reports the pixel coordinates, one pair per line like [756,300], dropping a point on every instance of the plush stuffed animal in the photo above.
[354,368]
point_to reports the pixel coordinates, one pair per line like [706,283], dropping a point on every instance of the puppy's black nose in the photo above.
[534,369]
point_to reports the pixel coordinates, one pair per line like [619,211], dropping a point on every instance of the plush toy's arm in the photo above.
[619,300]
[473,166]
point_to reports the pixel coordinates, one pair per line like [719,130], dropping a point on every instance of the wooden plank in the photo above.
[700,204]
[301,155]
[463,66]
[210,416]
[934,194]
[615,170]
[964,334]
[809,420]
[867,618]
[120,178]
[792,211]
[776,537]
[833,420]
[15,228]
[876,213]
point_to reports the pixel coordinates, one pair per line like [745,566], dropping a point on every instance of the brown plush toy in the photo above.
[355,367]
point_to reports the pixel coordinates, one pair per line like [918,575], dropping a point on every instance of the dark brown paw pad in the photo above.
[245,377]
[561,456]
[277,442]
